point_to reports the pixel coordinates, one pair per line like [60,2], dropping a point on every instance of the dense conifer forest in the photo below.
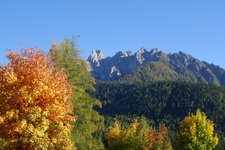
[162,102]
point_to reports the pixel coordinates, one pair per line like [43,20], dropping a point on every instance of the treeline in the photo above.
[162,102]
[196,132]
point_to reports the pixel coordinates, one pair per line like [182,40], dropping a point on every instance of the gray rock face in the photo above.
[122,63]
[114,73]
[95,57]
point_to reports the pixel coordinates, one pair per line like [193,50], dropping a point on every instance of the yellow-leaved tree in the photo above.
[196,132]
[35,104]
[138,136]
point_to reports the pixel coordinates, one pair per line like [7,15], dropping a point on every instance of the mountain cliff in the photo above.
[154,65]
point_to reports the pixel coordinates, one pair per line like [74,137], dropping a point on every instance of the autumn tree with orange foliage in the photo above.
[160,139]
[35,104]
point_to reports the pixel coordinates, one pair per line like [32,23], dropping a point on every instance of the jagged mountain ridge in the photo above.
[179,66]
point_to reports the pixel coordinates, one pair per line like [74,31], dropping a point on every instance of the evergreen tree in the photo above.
[89,125]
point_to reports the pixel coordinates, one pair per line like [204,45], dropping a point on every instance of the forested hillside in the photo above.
[162,102]
[155,71]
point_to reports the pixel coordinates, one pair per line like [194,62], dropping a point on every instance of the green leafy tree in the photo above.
[196,132]
[89,125]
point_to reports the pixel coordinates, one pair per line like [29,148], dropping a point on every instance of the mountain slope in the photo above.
[153,71]
[155,66]
[162,102]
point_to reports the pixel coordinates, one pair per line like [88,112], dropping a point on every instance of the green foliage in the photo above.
[125,120]
[163,70]
[153,71]
[162,102]
[196,132]
[3,143]
[221,144]
[137,136]
[88,128]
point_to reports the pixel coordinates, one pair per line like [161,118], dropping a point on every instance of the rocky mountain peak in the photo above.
[184,65]
[96,56]
[154,51]
[123,54]
[141,51]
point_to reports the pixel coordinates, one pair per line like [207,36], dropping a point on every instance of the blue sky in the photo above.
[196,27]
